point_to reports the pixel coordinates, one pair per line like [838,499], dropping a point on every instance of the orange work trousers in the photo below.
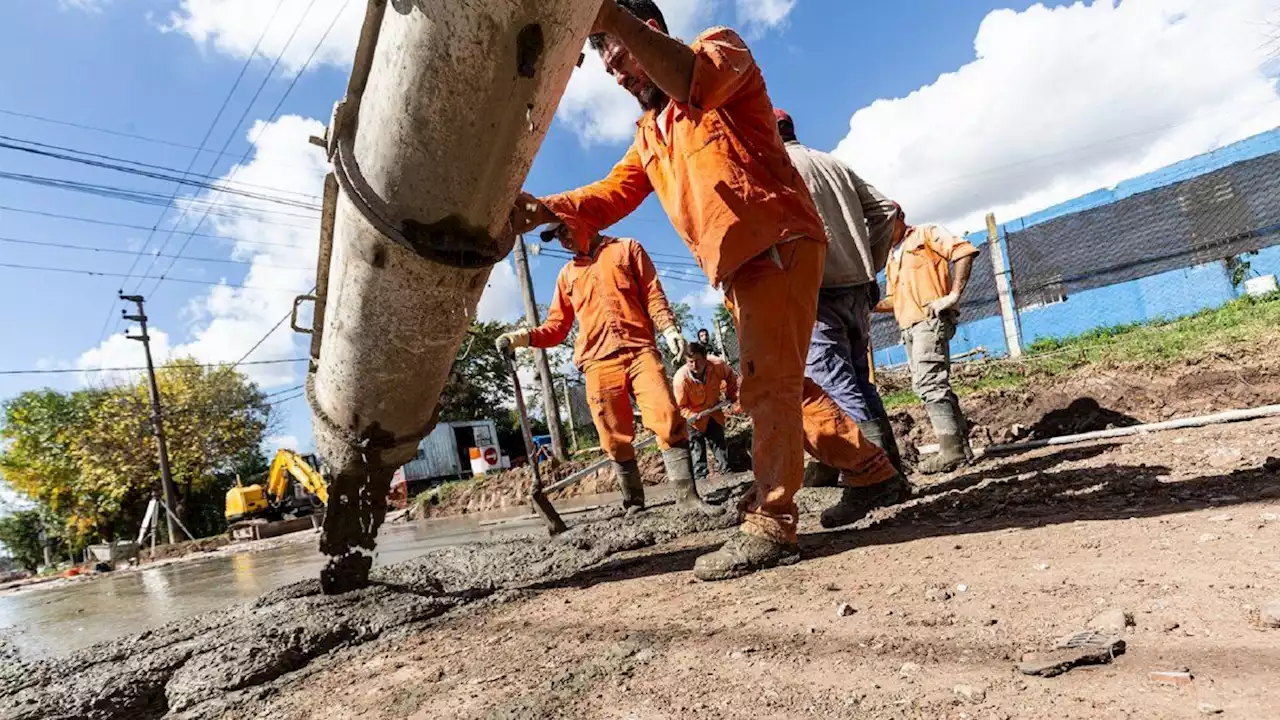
[612,382]
[774,301]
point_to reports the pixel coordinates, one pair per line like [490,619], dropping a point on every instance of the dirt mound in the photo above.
[1102,396]
[176,550]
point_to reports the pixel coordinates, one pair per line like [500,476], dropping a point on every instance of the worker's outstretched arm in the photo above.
[555,329]
[655,300]
[590,209]
[666,60]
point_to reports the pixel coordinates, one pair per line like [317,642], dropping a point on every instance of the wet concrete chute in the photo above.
[446,106]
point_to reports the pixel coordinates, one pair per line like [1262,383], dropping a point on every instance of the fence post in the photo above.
[1004,289]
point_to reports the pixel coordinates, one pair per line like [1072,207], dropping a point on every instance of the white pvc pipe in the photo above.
[1178,424]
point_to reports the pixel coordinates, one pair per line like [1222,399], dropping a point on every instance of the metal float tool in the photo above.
[537,496]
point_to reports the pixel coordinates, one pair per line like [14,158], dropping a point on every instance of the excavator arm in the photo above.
[289,464]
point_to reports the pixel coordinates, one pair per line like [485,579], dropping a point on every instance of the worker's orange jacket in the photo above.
[615,295]
[717,164]
[919,271]
[694,396]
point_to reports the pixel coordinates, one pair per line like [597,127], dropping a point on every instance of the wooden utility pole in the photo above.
[157,418]
[568,408]
[549,402]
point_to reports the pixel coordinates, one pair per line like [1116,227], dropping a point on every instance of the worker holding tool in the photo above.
[859,221]
[699,384]
[924,297]
[708,146]
[612,288]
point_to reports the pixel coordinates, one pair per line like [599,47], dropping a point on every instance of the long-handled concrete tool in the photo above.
[537,497]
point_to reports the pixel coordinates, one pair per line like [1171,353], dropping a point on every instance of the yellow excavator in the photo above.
[280,497]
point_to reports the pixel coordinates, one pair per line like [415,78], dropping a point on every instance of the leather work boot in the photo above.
[679,465]
[744,554]
[856,502]
[628,474]
[817,474]
[880,432]
[953,446]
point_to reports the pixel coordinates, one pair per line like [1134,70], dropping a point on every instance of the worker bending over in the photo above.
[700,384]
[708,147]
[925,299]
[859,221]
[612,288]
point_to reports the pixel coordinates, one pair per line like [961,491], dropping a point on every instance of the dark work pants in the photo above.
[698,442]
[837,359]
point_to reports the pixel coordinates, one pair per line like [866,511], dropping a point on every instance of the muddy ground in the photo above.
[948,593]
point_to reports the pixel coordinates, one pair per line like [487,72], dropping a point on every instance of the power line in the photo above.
[196,155]
[245,114]
[263,339]
[156,172]
[112,223]
[63,371]
[97,273]
[116,251]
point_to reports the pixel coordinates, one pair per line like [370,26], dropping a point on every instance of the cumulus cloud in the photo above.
[707,298]
[501,301]
[1063,101]
[118,351]
[226,321]
[232,27]
[760,15]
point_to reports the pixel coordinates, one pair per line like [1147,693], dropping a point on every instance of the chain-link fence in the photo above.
[1170,243]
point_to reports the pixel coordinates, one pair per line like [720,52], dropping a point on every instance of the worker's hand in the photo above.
[604,18]
[508,342]
[529,213]
[943,304]
[675,342]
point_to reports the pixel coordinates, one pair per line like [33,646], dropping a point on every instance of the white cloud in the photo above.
[707,298]
[232,27]
[227,321]
[118,351]
[1063,101]
[91,6]
[278,442]
[501,300]
[758,15]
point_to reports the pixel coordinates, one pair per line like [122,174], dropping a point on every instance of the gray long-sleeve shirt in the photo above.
[858,218]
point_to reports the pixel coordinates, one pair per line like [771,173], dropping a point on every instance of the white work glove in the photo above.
[508,342]
[943,304]
[675,341]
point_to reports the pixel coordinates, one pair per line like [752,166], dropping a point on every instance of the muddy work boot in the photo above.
[856,502]
[817,474]
[744,554]
[679,466]
[953,447]
[628,474]
[880,433]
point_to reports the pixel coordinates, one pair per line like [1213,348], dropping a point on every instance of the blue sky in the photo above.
[955,107]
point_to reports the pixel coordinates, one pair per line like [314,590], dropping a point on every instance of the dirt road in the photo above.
[1178,530]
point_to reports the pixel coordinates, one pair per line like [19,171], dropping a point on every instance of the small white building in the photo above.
[446,452]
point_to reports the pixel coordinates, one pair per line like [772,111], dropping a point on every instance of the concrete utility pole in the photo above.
[568,406]
[1004,289]
[157,418]
[549,403]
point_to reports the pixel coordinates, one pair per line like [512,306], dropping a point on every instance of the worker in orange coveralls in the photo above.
[698,385]
[708,146]
[612,287]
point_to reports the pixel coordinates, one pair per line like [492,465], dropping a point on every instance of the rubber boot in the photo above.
[679,466]
[953,447]
[628,474]
[880,432]
[744,554]
[817,474]
[857,502]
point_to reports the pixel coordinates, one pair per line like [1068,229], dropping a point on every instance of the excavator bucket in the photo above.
[447,105]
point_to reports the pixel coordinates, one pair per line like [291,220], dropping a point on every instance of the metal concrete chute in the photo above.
[447,105]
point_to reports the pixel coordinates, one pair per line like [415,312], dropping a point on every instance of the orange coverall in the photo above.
[618,300]
[694,397]
[724,178]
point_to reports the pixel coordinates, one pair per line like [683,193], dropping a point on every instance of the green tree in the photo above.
[478,382]
[685,319]
[20,533]
[88,457]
